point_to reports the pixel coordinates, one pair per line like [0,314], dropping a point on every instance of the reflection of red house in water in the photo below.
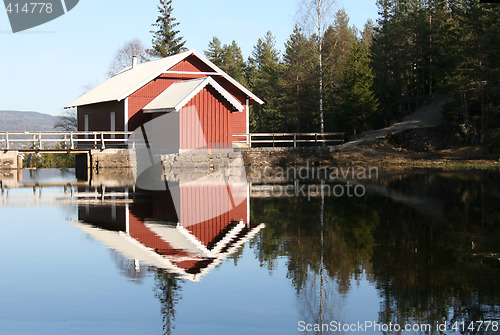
[150,233]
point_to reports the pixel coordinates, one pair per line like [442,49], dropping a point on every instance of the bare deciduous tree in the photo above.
[123,57]
[67,121]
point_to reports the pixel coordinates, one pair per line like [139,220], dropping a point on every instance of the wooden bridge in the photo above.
[95,146]
[78,141]
[79,193]
[62,141]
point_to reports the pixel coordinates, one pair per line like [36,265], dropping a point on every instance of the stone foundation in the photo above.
[113,159]
[196,164]
[215,159]
[288,156]
[9,160]
[203,159]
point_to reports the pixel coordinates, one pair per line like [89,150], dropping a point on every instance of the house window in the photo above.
[86,125]
[113,123]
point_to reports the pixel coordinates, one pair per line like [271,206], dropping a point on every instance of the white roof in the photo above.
[180,93]
[131,79]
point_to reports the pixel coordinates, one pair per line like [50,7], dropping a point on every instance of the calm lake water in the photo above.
[419,248]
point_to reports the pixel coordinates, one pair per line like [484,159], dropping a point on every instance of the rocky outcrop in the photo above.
[429,138]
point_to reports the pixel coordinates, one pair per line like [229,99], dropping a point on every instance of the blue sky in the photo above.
[46,67]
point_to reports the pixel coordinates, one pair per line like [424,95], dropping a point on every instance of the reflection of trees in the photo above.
[319,301]
[168,292]
[128,267]
[323,256]
[295,231]
[423,266]
[424,269]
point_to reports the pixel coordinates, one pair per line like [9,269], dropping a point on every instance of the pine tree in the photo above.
[228,57]
[234,63]
[166,41]
[265,79]
[215,52]
[357,105]
[368,33]
[414,52]
[476,76]
[300,76]
[338,42]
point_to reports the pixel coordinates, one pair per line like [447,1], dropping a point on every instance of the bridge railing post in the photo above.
[102,142]
[40,141]
[7,141]
[71,141]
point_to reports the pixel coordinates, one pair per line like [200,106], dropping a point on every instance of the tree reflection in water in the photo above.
[428,241]
[128,267]
[167,286]
[168,291]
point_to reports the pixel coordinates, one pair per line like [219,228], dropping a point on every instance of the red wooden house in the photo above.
[145,91]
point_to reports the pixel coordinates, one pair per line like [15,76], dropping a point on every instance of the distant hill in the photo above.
[26,121]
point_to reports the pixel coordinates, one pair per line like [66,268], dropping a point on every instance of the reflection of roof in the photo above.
[180,93]
[187,257]
[181,238]
[131,79]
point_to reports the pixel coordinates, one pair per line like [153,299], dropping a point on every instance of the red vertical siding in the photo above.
[148,93]
[239,124]
[192,64]
[213,121]
[238,119]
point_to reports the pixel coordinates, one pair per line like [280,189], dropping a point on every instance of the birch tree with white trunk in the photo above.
[315,16]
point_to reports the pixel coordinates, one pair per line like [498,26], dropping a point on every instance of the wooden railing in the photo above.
[105,139]
[61,193]
[289,139]
[62,140]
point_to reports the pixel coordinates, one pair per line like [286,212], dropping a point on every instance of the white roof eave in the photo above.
[226,76]
[153,108]
[88,99]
